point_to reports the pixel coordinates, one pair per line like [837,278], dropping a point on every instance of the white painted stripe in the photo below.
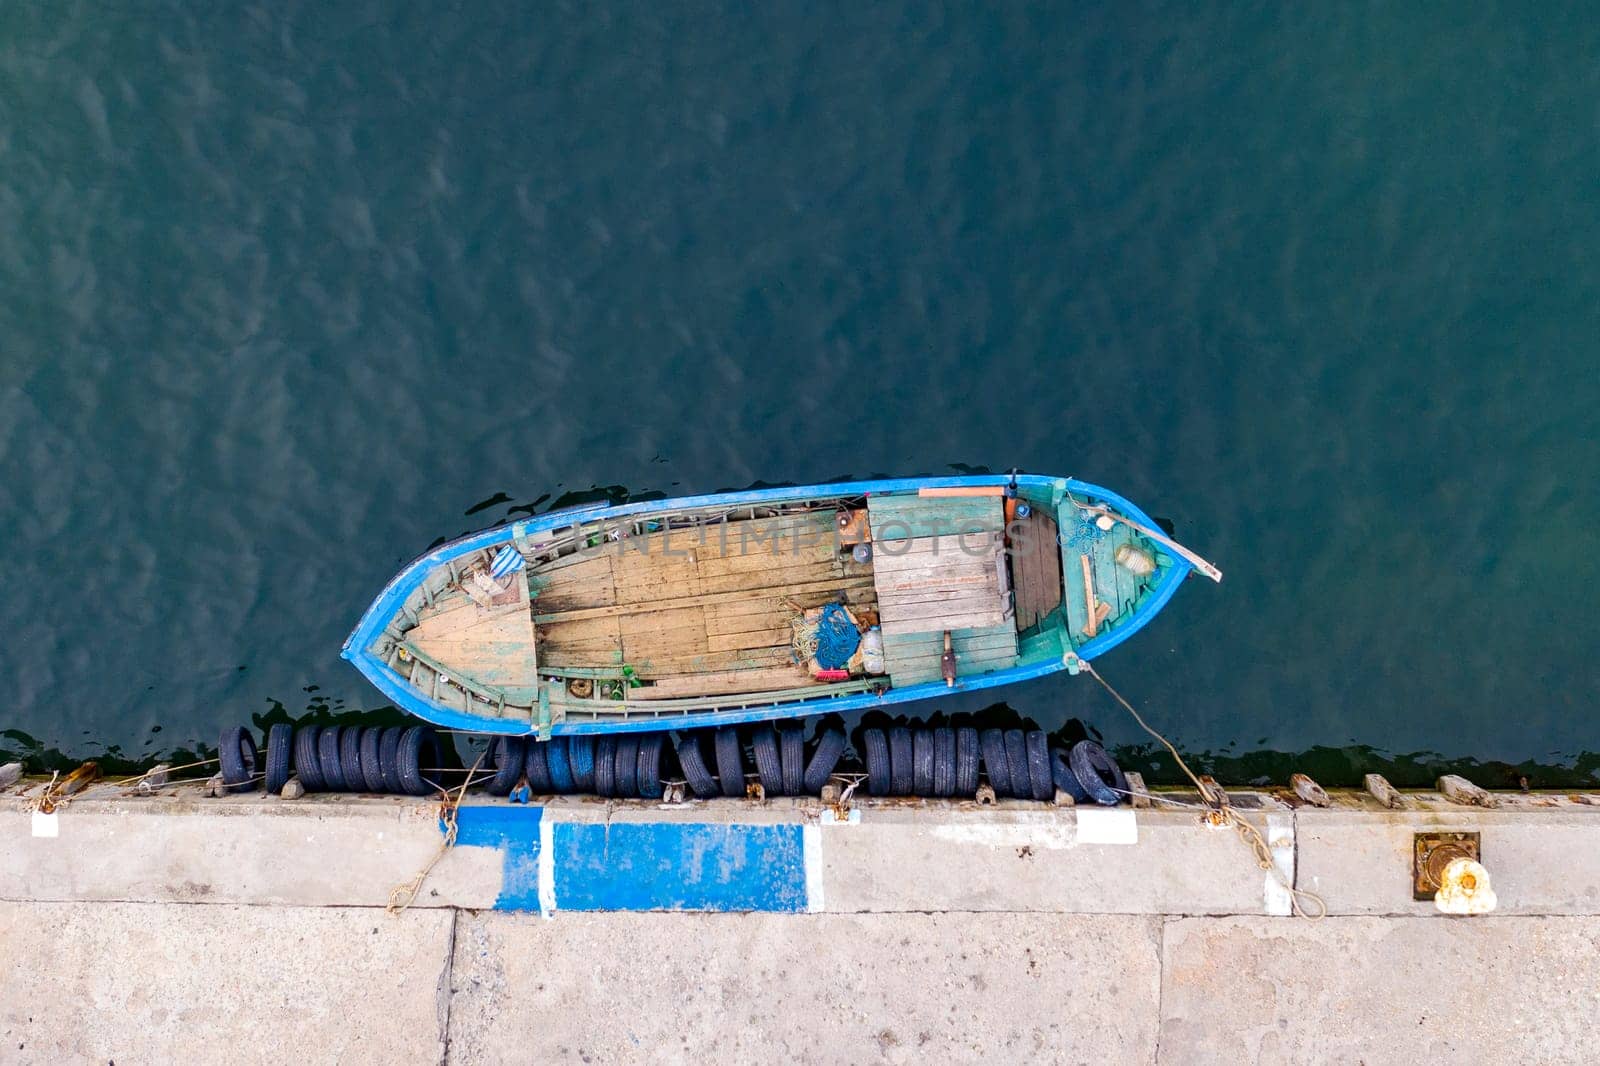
[547,866]
[1051,830]
[1107,825]
[811,847]
[1275,898]
[46,825]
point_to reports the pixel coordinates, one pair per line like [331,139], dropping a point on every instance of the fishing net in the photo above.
[837,638]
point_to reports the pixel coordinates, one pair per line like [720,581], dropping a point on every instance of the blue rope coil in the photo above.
[1083,535]
[837,638]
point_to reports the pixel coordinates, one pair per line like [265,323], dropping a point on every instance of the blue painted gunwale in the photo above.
[391,684]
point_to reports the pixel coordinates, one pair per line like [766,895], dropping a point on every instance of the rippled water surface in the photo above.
[291,292]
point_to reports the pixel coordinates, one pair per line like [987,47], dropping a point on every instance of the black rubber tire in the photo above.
[280,756]
[1062,777]
[355,778]
[371,769]
[307,763]
[693,761]
[558,754]
[389,759]
[875,753]
[605,766]
[730,761]
[626,774]
[580,756]
[993,744]
[966,782]
[921,762]
[418,758]
[826,755]
[944,761]
[1017,763]
[647,781]
[792,760]
[536,764]
[236,749]
[901,774]
[504,761]
[1039,781]
[769,765]
[328,747]
[1097,772]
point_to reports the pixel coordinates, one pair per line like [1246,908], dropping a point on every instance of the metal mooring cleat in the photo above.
[1446,868]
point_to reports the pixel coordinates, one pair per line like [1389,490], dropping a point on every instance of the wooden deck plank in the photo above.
[913,644]
[924,625]
[770,638]
[914,659]
[720,624]
[744,537]
[768,679]
[1004,655]
[983,574]
[712,661]
[978,601]
[904,517]
[1036,569]
[973,544]
[708,599]
[1105,572]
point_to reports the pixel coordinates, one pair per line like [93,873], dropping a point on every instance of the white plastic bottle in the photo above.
[872,651]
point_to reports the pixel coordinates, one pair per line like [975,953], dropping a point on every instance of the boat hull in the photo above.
[1073,648]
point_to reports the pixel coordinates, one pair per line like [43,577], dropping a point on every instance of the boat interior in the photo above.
[671,611]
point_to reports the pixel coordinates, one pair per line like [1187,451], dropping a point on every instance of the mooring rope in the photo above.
[1224,814]
[133,782]
[402,895]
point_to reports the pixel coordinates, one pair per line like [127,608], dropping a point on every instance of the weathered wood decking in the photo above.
[939,564]
[1035,568]
[914,658]
[689,608]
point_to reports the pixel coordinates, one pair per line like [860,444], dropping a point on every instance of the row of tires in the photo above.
[404,760]
[901,761]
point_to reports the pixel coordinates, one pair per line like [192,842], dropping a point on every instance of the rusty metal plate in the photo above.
[1432,852]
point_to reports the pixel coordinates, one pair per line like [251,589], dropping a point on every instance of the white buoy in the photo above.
[1135,560]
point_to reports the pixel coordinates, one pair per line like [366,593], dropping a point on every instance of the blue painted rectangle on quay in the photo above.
[649,866]
[640,866]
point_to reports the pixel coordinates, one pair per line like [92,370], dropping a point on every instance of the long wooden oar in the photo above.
[1160,538]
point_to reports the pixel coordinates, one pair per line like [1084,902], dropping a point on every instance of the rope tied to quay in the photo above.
[1222,814]
[404,894]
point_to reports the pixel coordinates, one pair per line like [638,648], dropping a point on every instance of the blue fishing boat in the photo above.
[766,604]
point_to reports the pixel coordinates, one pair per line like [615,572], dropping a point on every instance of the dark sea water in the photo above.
[290,292]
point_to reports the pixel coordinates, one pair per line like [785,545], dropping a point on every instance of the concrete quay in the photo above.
[154,929]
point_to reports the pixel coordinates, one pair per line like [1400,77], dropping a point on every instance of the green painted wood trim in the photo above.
[904,517]
[644,708]
[471,684]
[546,716]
